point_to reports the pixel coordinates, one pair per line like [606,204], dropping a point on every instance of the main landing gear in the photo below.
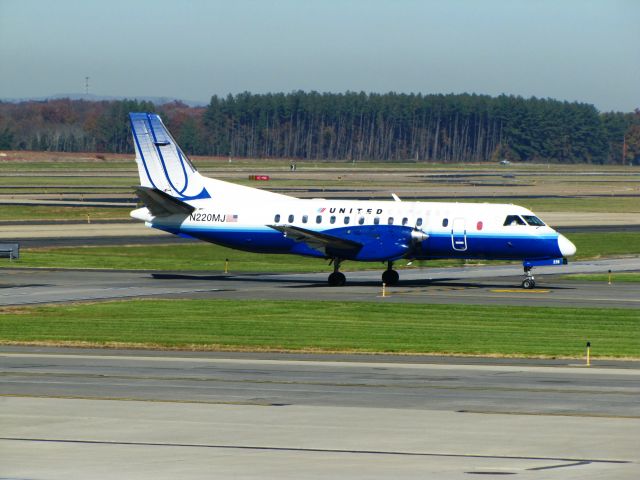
[337,278]
[390,276]
[529,281]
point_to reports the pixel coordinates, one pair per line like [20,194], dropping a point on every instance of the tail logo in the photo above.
[161,162]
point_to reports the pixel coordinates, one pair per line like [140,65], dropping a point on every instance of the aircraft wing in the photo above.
[161,204]
[317,240]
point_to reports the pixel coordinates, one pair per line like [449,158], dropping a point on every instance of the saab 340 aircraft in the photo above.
[179,200]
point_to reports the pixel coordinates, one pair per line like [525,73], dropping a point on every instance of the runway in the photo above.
[122,414]
[484,285]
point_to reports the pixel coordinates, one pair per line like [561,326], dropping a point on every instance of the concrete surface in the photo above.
[162,416]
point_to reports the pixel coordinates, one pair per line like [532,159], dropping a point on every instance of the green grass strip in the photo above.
[330,326]
[604,277]
[595,245]
[44,184]
[41,212]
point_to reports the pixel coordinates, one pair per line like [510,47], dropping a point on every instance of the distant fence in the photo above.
[10,251]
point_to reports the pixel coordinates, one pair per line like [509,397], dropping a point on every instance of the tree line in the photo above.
[345,126]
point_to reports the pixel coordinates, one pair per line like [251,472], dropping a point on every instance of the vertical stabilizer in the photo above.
[161,163]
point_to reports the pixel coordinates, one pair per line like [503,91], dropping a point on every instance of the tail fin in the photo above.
[161,163]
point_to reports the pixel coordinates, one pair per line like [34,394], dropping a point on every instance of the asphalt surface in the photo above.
[565,387]
[483,285]
[122,414]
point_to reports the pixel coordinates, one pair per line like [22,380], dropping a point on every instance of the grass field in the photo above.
[30,160]
[40,183]
[70,166]
[41,212]
[208,257]
[329,326]
[604,277]
[540,187]
[596,245]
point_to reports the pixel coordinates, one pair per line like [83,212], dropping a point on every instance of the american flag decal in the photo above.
[231,218]
[321,210]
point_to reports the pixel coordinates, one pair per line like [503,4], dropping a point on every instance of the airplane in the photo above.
[179,200]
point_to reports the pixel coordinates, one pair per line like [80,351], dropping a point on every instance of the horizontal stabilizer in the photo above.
[317,240]
[161,204]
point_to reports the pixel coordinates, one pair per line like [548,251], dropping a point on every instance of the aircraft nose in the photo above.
[566,246]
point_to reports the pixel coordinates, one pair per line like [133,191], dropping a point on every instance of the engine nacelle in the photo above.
[379,242]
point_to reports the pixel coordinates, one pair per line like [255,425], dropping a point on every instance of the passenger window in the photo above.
[419,222]
[390,221]
[319,219]
[533,221]
[305,218]
[405,220]
[376,221]
[276,218]
[291,217]
[445,222]
[332,219]
[361,221]
[512,220]
[346,220]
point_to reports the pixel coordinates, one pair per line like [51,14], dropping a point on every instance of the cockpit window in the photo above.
[513,220]
[533,220]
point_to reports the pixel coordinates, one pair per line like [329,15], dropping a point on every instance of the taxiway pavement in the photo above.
[485,285]
[110,414]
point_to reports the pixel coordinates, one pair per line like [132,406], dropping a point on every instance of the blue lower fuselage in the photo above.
[384,243]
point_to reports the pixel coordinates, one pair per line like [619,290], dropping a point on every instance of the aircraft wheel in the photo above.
[337,279]
[390,277]
[528,283]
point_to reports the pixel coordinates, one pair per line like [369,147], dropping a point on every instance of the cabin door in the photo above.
[459,235]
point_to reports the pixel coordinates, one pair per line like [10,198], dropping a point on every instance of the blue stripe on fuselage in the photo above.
[497,247]
[439,245]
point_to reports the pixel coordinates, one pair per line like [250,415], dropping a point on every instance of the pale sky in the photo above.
[584,50]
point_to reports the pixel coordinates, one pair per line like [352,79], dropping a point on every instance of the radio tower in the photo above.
[86,86]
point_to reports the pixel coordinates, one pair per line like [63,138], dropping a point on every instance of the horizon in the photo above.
[164,99]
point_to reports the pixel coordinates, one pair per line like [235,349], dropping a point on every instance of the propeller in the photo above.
[417,237]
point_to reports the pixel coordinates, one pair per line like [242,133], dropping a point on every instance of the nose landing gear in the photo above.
[529,281]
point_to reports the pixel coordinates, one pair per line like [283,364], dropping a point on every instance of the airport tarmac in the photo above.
[69,413]
[156,415]
[483,285]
